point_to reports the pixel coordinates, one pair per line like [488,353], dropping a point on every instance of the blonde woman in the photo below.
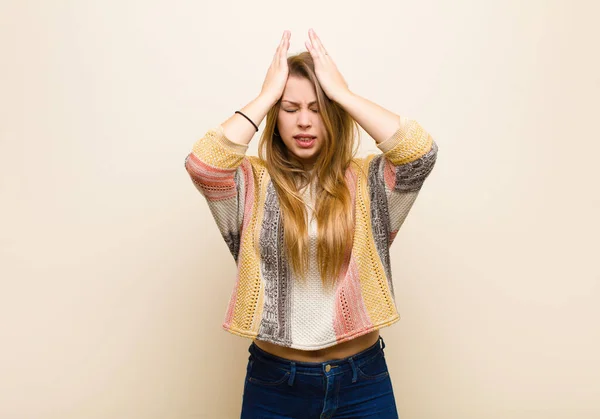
[309,226]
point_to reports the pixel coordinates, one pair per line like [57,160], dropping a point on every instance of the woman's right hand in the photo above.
[277,74]
[237,128]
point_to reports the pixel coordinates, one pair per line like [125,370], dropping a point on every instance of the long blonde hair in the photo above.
[333,209]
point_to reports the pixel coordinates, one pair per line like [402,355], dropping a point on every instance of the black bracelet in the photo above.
[248,120]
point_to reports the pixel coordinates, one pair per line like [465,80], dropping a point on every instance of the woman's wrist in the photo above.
[267,99]
[342,96]
[238,129]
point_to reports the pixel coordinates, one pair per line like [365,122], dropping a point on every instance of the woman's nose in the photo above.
[304,118]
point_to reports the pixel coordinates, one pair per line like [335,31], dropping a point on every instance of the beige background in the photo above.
[114,280]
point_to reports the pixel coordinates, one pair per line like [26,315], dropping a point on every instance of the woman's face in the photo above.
[299,121]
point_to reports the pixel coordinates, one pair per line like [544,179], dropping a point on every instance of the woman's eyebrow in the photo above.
[314,102]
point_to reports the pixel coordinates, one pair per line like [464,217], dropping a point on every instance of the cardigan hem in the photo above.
[313,347]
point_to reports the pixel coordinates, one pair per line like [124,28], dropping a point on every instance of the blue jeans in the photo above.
[355,387]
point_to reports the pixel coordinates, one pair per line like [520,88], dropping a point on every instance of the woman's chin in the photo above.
[306,158]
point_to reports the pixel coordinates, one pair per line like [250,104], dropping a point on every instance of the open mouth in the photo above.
[305,142]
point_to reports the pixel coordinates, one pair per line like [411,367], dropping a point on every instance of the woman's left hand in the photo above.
[330,78]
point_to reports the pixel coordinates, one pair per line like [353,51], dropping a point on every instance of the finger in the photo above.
[310,48]
[315,50]
[318,45]
[282,42]
[277,54]
[285,39]
[285,45]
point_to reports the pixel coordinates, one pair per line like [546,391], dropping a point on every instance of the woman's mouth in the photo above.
[305,142]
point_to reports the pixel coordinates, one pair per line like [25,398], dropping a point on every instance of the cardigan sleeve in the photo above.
[397,175]
[221,172]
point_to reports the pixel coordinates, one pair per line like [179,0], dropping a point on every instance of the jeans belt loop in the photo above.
[354,370]
[292,375]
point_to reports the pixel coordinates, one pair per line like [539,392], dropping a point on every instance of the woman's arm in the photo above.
[237,128]
[218,165]
[241,131]
[403,141]
[377,121]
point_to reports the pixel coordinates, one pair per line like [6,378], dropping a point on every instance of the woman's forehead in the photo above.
[299,91]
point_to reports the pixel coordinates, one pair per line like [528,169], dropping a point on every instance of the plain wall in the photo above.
[114,280]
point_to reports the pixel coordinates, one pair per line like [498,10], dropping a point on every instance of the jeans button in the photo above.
[327,368]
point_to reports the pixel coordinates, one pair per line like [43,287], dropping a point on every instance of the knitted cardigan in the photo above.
[268,302]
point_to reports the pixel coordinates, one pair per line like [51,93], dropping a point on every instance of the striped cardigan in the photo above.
[268,302]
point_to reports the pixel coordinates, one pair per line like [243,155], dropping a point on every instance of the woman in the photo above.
[309,226]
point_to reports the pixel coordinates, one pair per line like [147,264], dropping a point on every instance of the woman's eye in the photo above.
[294,110]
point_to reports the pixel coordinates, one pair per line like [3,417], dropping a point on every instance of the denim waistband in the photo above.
[334,366]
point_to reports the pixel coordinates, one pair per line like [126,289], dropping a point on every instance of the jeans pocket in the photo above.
[264,374]
[374,368]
